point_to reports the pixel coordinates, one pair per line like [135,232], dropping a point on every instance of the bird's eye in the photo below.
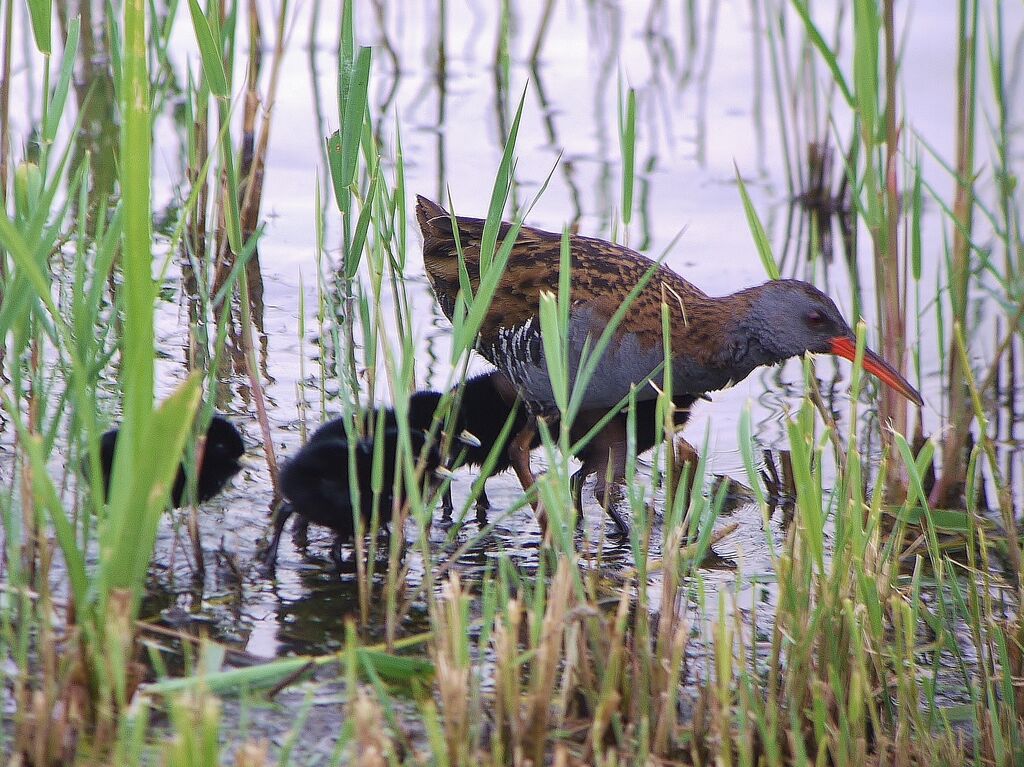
[814,317]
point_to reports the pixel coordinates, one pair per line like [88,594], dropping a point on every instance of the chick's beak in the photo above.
[468,438]
[442,473]
[846,347]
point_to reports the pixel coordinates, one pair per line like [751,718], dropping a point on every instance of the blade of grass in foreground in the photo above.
[119,535]
[627,141]
[41,12]
[764,246]
[394,668]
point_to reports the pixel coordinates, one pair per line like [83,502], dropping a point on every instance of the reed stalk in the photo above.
[949,488]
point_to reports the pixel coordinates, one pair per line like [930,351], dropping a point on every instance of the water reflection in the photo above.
[97,107]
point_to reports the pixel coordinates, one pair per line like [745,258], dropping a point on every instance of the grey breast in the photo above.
[627,361]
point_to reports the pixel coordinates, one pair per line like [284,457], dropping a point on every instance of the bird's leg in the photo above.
[519,458]
[609,447]
[519,454]
[483,504]
[582,425]
[281,515]
[447,507]
[576,482]
[685,460]
[300,531]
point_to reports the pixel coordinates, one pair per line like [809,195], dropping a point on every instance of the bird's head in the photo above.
[224,445]
[790,318]
[422,444]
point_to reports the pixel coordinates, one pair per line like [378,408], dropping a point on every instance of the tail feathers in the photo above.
[438,236]
[434,220]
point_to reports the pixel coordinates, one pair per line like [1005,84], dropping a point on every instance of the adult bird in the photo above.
[715,341]
[219,459]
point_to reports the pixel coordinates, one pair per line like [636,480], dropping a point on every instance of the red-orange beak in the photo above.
[846,347]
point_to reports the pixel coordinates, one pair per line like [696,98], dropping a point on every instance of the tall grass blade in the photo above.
[764,246]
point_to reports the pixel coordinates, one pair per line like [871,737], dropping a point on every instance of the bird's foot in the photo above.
[447,506]
[300,532]
[338,558]
[621,528]
[610,498]
[481,516]
[268,556]
[483,503]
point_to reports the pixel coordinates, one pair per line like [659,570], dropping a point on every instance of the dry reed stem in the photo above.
[954,464]
[506,703]
[372,744]
[253,753]
[452,669]
[892,406]
[548,655]
[612,664]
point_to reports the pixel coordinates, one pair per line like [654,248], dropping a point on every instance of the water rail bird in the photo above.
[220,460]
[714,341]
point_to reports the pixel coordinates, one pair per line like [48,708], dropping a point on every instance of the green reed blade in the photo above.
[553,348]
[499,191]
[827,54]
[343,146]
[362,225]
[55,109]
[140,486]
[137,257]
[209,50]
[40,12]
[764,245]
[627,147]
[221,682]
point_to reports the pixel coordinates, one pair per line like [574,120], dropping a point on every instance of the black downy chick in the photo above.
[220,461]
[316,483]
[485,404]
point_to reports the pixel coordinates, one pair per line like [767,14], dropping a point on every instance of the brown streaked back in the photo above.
[603,274]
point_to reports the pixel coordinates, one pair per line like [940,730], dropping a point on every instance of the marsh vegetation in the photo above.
[209,209]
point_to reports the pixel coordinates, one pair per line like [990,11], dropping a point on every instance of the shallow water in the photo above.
[705,103]
[706,106]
